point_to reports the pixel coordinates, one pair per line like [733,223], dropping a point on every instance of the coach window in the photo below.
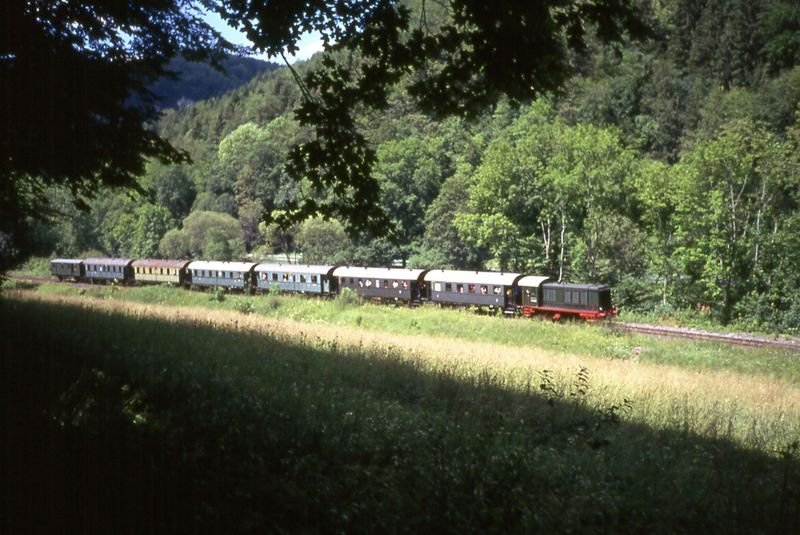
[313,279]
[386,283]
[471,288]
[368,283]
[448,287]
[303,279]
[405,285]
[437,286]
[460,288]
[377,283]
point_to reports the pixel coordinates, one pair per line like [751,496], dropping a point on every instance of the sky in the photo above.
[309,44]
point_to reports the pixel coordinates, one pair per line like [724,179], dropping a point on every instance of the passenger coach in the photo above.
[228,275]
[108,270]
[161,271]
[296,278]
[67,268]
[396,284]
[479,288]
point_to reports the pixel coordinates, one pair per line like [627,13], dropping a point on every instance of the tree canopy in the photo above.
[77,112]
[453,58]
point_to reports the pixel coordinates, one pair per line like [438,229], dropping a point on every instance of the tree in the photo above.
[76,109]
[254,157]
[323,242]
[442,245]
[544,191]
[174,244]
[152,223]
[170,187]
[277,238]
[204,234]
[409,172]
[75,105]
[462,61]
[736,193]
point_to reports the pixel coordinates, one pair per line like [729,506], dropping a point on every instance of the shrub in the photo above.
[347,297]
[218,295]
[244,306]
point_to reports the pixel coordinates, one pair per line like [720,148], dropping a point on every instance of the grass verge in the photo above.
[590,340]
[147,418]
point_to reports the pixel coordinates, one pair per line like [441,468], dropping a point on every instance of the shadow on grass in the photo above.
[122,424]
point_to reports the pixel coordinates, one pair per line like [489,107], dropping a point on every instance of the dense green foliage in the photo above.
[201,428]
[76,106]
[669,170]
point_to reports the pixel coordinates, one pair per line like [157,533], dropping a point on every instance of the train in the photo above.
[513,294]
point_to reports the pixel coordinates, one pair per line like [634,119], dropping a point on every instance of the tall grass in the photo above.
[431,322]
[193,419]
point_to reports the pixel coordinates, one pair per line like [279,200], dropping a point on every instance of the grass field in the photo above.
[158,409]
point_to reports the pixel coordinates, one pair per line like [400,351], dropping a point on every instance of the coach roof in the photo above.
[378,273]
[159,263]
[221,266]
[108,261]
[495,278]
[295,268]
[532,281]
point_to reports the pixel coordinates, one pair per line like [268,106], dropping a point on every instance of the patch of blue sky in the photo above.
[308,45]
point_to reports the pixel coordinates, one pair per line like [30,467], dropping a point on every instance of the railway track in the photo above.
[738,339]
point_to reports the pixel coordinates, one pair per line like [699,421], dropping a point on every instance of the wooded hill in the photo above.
[669,170]
[195,81]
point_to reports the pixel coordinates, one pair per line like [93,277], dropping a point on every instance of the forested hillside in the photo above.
[669,170]
[195,81]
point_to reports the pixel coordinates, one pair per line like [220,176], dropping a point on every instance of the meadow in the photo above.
[160,409]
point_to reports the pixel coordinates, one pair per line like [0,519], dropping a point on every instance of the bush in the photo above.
[218,295]
[347,297]
[244,306]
